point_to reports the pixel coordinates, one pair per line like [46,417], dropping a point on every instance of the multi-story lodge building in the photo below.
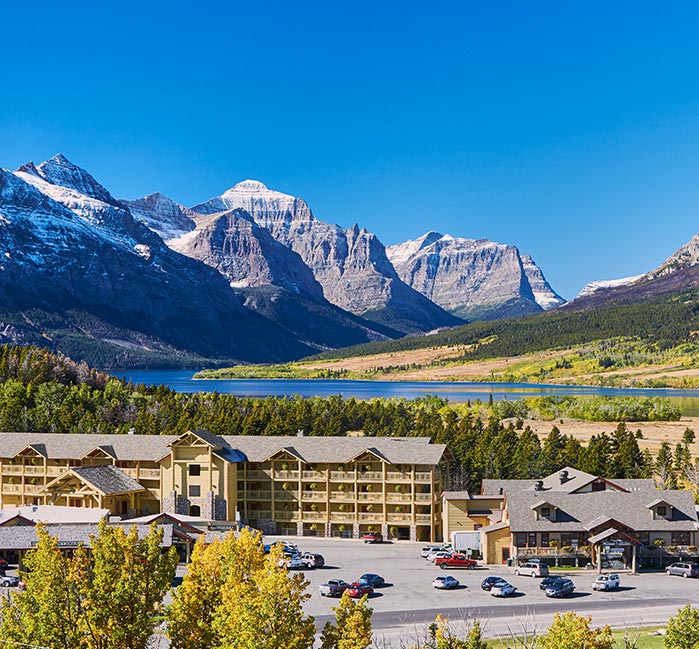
[323,486]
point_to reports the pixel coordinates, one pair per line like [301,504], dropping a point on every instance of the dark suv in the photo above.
[560,588]
[683,568]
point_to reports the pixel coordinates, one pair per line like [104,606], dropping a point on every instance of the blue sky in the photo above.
[568,129]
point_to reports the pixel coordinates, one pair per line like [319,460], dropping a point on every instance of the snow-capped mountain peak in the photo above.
[161,214]
[250,185]
[60,171]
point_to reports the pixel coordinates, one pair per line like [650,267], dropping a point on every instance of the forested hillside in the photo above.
[663,322]
[46,393]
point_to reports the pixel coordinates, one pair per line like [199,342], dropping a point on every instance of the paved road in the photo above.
[406,607]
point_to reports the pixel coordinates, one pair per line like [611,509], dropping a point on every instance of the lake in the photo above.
[182,381]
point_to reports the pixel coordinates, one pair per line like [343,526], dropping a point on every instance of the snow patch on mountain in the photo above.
[603,284]
[161,214]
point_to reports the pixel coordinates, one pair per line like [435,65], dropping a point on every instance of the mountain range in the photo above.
[248,276]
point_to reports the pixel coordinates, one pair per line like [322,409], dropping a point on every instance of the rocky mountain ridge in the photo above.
[473,279]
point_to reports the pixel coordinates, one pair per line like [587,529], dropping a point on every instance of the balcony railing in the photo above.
[286,475]
[255,495]
[399,517]
[33,488]
[552,552]
[370,476]
[370,518]
[342,517]
[11,487]
[314,495]
[12,469]
[259,513]
[397,476]
[257,475]
[423,498]
[311,475]
[286,495]
[287,516]
[423,518]
[398,498]
[149,473]
[342,475]
[342,495]
[314,516]
[422,476]
[34,469]
[367,495]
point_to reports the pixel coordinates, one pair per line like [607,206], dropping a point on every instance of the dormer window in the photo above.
[545,512]
[662,511]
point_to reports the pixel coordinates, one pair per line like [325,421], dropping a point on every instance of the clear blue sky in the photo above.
[568,129]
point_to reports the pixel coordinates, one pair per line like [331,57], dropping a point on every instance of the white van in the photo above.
[532,569]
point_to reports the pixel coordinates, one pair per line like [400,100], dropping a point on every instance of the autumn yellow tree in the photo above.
[236,597]
[105,599]
[571,631]
[352,628]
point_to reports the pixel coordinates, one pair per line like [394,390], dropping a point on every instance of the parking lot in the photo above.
[411,600]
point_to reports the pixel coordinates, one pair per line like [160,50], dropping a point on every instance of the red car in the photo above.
[372,537]
[359,588]
[455,561]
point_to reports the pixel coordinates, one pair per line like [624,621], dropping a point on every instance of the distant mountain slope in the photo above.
[351,265]
[79,271]
[164,216]
[473,279]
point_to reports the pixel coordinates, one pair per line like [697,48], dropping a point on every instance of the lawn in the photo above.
[639,636]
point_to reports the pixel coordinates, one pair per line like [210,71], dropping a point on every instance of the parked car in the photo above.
[683,568]
[547,581]
[372,537]
[561,588]
[439,554]
[488,582]
[333,588]
[293,562]
[606,582]
[428,549]
[312,560]
[502,588]
[532,569]
[359,588]
[445,582]
[3,564]
[9,582]
[455,561]
[375,581]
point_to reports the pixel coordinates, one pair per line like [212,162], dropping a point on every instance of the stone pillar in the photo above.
[328,530]
[634,568]
[355,530]
[299,528]
[384,530]
[413,532]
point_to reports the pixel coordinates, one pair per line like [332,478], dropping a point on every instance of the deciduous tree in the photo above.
[571,631]
[352,628]
[683,629]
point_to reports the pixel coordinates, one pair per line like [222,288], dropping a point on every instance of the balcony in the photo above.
[552,552]
[399,498]
[370,476]
[32,488]
[314,495]
[149,474]
[397,476]
[342,496]
[423,498]
[314,516]
[370,518]
[423,518]
[399,517]
[286,475]
[370,496]
[342,475]
[286,495]
[54,471]
[313,475]
[34,470]
[287,516]
[12,488]
[12,469]
[342,517]
[259,513]
[255,495]
[257,475]
[422,476]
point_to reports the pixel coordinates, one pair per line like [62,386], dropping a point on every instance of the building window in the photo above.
[544,539]
[546,512]
[661,511]
[680,538]
[194,510]
[520,539]
[194,491]
[599,485]
[643,537]
[194,469]
[531,541]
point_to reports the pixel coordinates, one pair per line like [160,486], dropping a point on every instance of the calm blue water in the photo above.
[182,381]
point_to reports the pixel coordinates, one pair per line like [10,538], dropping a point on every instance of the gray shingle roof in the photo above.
[396,450]
[577,512]
[108,479]
[23,537]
